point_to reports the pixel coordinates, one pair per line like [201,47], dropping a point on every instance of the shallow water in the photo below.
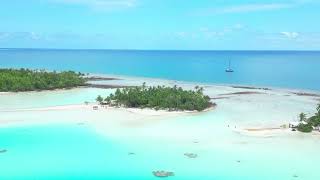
[57,152]
[10,101]
[77,152]
[72,151]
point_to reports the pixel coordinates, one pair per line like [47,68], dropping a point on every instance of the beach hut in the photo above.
[316,128]
[294,124]
[104,103]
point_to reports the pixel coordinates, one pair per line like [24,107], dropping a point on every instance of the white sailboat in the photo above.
[229,70]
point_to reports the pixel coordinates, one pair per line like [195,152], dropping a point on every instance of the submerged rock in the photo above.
[191,155]
[131,153]
[3,150]
[162,173]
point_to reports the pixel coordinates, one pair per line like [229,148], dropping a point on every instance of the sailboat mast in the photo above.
[229,68]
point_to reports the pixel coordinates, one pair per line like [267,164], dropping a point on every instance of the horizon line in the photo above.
[105,49]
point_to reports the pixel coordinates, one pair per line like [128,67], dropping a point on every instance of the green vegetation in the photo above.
[99,99]
[313,121]
[160,97]
[306,128]
[302,117]
[15,80]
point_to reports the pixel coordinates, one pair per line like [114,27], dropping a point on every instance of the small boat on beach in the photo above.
[229,70]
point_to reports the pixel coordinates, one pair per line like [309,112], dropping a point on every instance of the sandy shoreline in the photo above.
[145,111]
[252,110]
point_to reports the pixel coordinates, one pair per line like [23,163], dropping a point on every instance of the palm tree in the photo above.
[99,99]
[318,109]
[302,117]
[144,85]
[200,90]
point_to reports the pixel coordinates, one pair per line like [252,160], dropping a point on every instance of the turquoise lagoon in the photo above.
[27,100]
[75,151]
[64,152]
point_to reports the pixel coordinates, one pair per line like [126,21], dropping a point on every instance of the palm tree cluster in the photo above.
[311,122]
[14,80]
[159,97]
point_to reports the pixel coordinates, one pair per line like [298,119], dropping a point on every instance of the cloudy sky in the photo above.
[161,24]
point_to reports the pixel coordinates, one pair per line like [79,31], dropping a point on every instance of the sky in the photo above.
[161,24]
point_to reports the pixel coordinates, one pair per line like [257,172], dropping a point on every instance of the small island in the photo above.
[17,80]
[307,125]
[159,97]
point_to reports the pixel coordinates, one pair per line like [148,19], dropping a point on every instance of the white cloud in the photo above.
[210,33]
[101,4]
[34,36]
[290,35]
[4,35]
[21,35]
[204,29]
[238,26]
[207,32]
[253,7]
[182,34]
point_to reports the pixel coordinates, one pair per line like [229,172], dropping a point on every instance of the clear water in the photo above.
[287,69]
[77,152]
[59,152]
[28,100]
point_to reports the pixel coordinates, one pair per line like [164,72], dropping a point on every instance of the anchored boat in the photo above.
[229,70]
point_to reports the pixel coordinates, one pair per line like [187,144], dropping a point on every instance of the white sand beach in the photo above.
[240,108]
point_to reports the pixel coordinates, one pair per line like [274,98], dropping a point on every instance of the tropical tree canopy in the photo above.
[306,128]
[313,121]
[99,99]
[14,80]
[302,116]
[160,97]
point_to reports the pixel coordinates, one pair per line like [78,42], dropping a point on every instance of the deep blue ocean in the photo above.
[284,69]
